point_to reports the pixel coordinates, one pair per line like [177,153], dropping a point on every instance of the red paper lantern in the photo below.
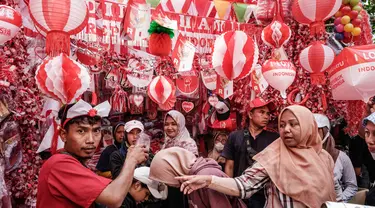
[10,23]
[235,54]
[160,44]
[277,33]
[59,20]
[315,12]
[315,59]
[62,79]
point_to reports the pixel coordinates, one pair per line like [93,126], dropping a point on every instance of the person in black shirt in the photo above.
[242,145]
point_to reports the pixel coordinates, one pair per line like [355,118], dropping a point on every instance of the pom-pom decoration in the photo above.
[314,13]
[352,73]
[235,54]
[59,20]
[277,33]
[163,92]
[279,74]
[10,23]
[62,79]
[315,59]
[160,42]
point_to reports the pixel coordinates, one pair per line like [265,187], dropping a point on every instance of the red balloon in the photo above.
[337,21]
[347,34]
[345,10]
[353,14]
[357,22]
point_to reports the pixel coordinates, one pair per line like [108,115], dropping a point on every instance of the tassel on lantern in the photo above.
[160,43]
[57,42]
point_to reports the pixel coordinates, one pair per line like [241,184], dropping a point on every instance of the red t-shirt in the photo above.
[65,182]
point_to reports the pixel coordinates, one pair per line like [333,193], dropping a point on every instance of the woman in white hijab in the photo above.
[176,133]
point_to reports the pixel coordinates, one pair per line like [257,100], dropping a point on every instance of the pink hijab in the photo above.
[305,172]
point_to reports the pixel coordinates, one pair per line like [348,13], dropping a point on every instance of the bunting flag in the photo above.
[223,9]
[176,6]
[204,8]
[153,3]
[243,11]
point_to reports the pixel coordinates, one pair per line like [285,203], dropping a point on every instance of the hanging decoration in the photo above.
[10,23]
[352,73]
[235,54]
[59,20]
[187,84]
[163,92]
[279,74]
[277,33]
[161,34]
[315,13]
[315,59]
[62,79]
[119,100]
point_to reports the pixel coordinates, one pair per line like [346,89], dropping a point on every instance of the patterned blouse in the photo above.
[254,179]
[188,144]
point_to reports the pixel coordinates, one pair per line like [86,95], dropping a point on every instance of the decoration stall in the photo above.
[207,59]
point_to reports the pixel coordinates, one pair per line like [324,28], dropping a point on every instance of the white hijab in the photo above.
[183,138]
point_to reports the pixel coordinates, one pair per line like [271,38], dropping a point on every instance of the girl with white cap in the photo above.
[344,175]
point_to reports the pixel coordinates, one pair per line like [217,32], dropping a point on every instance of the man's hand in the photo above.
[138,154]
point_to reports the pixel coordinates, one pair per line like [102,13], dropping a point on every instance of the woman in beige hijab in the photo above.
[294,169]
[175,161]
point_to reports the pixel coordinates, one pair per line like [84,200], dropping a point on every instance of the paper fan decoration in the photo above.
[62,79]
[235,54]
[163,92]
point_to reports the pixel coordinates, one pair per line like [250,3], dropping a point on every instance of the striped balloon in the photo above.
[235,54]
[315,12]
[160,89]
[315,59]
[10,23]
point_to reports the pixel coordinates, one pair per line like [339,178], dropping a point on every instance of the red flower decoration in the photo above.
[92,112]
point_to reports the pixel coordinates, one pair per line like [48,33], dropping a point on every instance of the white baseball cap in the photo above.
[322,121]
[157,189]
[133,124]
[370,118]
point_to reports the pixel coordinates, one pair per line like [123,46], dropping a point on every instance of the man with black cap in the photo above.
[242,145]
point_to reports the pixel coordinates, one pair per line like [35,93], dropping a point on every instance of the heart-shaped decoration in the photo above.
[138,100]
[40,52]
[213,100]
[187,106]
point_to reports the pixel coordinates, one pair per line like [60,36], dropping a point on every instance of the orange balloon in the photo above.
[345,20]
[348,27]
[356,31]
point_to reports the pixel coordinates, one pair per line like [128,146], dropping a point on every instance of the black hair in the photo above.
[142,184]
[77,120]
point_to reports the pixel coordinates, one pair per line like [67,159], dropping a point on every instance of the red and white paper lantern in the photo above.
[277,33]
[352,73]
[315,12]
[10,23]
[163,92]
[315,59]
[279,74]
[62,79]
[59,20]
[235,54]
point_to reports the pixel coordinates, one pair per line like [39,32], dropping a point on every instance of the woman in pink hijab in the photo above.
[294,169]
[175,161]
